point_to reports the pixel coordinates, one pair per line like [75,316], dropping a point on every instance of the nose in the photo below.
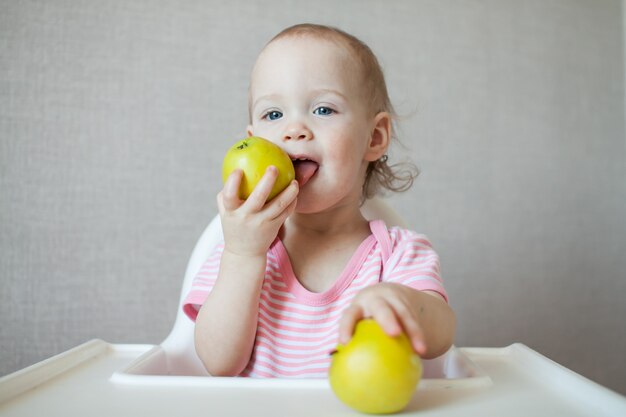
[297,131]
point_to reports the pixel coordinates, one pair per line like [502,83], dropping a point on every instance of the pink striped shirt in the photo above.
[297,328]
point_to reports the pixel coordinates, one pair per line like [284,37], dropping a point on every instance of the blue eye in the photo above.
[273,115]
[323,111]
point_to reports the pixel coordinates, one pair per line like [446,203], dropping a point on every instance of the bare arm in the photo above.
[424,316]
[226,323]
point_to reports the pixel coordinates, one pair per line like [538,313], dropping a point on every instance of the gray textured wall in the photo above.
[114,117]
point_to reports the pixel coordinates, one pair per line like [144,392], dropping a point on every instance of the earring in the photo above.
[383,158]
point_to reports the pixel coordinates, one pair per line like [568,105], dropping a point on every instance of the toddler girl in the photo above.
[295,274]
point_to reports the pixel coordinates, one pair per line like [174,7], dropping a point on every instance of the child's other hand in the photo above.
[250,226]
[390,306]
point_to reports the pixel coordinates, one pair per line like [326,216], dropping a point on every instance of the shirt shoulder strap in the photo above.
[380,232]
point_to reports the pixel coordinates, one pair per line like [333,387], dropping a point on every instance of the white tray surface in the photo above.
[79,382]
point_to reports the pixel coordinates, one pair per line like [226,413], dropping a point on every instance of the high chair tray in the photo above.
[97,379]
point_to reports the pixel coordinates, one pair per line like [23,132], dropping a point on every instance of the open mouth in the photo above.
[305,169]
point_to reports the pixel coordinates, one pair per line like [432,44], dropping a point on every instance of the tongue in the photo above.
[304,171]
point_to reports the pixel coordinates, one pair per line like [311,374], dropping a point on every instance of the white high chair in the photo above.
[94,378]
[179,346]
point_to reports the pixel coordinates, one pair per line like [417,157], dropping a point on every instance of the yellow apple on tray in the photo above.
[375,373]
[253,155]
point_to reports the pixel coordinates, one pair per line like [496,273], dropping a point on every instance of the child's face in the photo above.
[306,96]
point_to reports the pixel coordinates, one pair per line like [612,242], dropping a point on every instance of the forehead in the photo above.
[304,60]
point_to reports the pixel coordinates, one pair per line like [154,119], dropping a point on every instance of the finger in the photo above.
[229,195]
[412,329]
[416,336]
[220,203]
[386,318]
[283,201]
[262,190]
[286,213]
[350,316]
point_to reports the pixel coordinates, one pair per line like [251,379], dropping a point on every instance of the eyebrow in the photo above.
[321,91]
[315,93]
[268,97]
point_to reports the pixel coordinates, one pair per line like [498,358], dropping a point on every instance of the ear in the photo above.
[249,131]
[380,137]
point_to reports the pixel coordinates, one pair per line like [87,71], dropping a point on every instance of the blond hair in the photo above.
[380,175]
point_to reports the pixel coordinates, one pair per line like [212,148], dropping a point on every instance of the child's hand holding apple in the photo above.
[259,194]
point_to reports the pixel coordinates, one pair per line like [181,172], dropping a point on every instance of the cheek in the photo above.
[265,130]
[347,158]
[352,143]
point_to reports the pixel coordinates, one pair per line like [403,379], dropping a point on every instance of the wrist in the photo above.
[244,255]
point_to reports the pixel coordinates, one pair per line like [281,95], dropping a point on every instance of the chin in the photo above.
[308,204]
[303,208]
[312,204]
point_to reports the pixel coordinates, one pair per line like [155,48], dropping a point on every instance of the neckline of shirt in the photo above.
[341,283]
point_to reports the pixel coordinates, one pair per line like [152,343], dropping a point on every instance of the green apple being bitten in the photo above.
[253,155]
